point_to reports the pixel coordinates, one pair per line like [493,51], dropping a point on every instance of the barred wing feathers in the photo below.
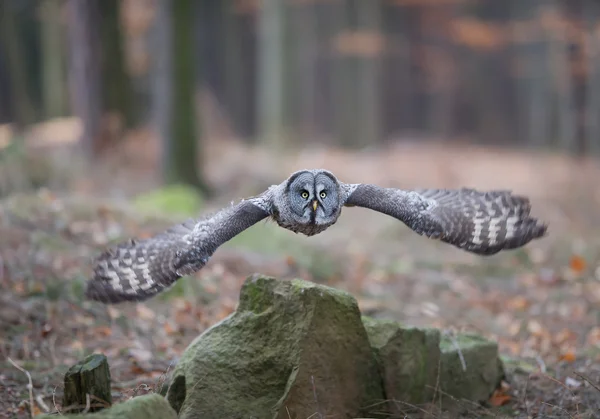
[479,222]
[138,270]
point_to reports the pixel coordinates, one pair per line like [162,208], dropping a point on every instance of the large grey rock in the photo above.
[150,406]
[292,349]
[481,372]
[418,366]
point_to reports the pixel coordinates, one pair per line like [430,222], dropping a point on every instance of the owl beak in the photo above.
[314,205]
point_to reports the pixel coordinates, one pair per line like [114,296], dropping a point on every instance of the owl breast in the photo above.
[309,229]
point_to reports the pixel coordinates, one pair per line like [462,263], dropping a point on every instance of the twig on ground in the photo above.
[312,380]
[87,403]
[162,378]
[41,403]
[586,379]
[54,401]
[29,385]
[541,364]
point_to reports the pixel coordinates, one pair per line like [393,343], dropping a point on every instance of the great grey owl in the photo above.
[309,202]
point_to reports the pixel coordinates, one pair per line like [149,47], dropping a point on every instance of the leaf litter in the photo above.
[539,303]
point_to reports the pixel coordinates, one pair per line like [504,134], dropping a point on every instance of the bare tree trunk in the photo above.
[84,72]
[563,89]
[162,77]
[271,72]
[24,112]
[592,91]
[53,58]
[306,39]
[357,69]
[118,90]
[174,90]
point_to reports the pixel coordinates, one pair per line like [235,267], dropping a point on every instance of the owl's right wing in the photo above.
[478,222]
[137,270]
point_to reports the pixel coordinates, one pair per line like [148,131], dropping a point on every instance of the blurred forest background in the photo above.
[102,100]
[284,74]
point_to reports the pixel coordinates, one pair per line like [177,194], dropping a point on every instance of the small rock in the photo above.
[409,360]
[292,349]
[418,366]
[481,373]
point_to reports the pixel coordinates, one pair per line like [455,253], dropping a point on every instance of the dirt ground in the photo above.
[540,302]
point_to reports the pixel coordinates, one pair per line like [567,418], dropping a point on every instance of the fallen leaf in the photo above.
[144,312]
[169,330]
[577,264]
[499,398]
[103,331]
[535,328]
[568,356]
[518,303]
[593,337]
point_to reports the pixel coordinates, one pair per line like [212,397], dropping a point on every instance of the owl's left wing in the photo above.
[137,270]
[479,222]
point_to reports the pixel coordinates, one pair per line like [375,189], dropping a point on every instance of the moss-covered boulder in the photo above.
[408,360]
[477,375]
[419,366]
[292,349]
[150,406]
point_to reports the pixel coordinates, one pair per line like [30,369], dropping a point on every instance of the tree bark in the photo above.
[84,72]
[53,58]
[174,93]
[24,111]
[118,89]
[271,72]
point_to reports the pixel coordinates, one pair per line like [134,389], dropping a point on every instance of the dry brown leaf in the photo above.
[568,356]
[577,264]
[499,398]
[518,303]
[144,312]
[103,331]
[593,337]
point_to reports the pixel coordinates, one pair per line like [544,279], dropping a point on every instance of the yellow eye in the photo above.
[304,194]
[323,194]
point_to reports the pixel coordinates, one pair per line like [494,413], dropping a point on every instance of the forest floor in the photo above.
[540,303]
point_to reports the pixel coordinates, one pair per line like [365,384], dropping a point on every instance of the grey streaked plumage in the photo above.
[309,202]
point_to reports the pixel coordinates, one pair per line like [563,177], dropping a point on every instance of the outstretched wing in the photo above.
[137,270]
[479,222]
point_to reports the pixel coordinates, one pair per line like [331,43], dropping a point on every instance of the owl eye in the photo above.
[323,194]
[304,194]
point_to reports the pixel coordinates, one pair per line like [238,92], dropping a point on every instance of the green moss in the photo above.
[255,295]
[178,200]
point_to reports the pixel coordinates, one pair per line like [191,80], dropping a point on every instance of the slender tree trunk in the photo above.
[563,89]
[271,100]
[53,58]
[118,90]
[357,71]
[174,93]
[84,72]
[234,64]
[592,91]
[162,80]
[24,112]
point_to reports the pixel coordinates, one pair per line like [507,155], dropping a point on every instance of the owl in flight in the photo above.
[309,202]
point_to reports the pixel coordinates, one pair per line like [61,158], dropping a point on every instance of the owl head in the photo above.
[313,198]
